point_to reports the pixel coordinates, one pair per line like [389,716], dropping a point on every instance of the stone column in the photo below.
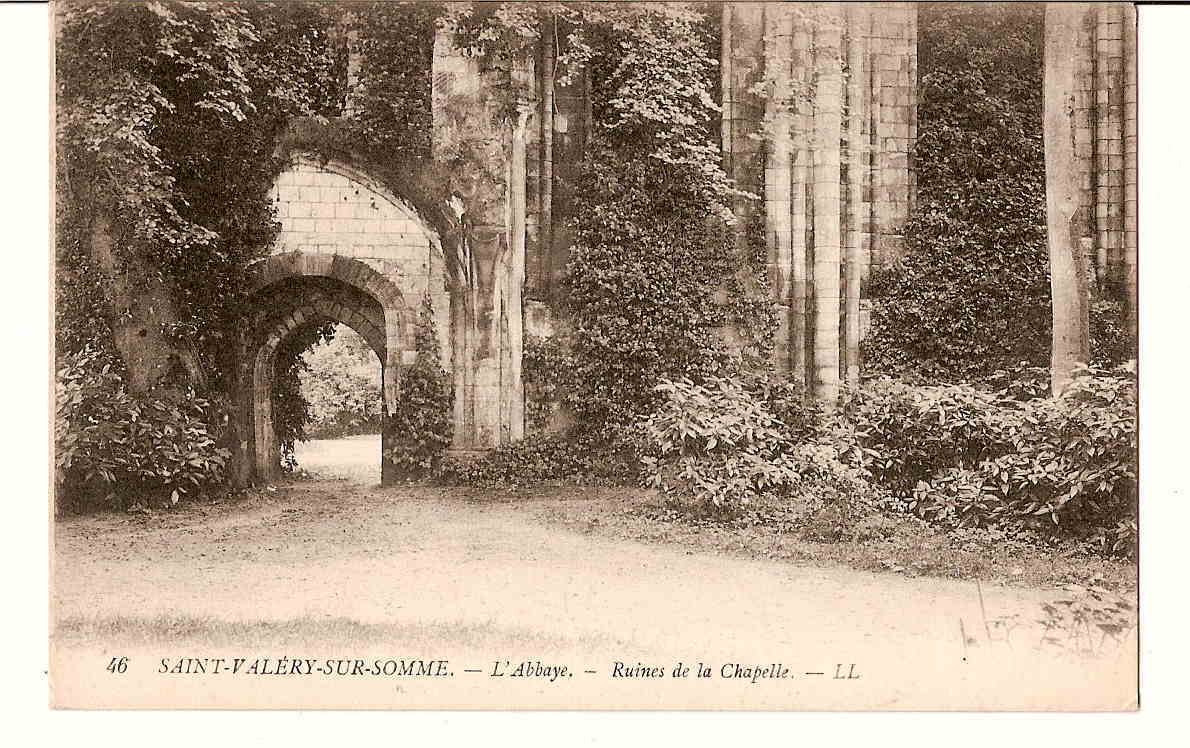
[480,109]
[829,213]
[828,99]
[1105,147]
[778,173]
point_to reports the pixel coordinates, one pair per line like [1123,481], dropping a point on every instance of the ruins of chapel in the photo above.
[819,121]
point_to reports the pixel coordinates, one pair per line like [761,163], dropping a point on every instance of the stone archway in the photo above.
[294,290]
[352,249]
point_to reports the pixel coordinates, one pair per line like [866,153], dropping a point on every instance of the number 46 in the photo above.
[117,665]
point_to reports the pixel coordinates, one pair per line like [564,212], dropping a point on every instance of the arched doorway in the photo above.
[294,292]
[337,376]
[351,250]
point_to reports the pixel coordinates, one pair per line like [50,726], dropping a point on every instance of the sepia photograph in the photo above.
[753,356]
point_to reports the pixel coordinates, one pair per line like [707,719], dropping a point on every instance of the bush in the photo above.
[648,259]
[972,293]
[1070,470]
[576,458]
[340,379]
[961,457]
[118,449]
[546,366]
[1112,341]
[901,434]
[717,446]
[422,426]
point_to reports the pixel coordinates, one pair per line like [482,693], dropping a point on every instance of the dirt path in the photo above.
[335,567]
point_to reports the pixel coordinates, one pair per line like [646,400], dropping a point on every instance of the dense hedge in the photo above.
[954,455]
[972,293]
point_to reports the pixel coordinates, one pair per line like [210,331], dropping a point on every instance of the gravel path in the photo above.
[427,573]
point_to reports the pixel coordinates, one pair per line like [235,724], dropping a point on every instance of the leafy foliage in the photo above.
[546,369]
[961,457]
[118,449]
[1072,463]
[972,293]
[167,114]
[718,447]
[579,458]
[340,379]
[421,425]
[653,64]
[389,104]
[654,251]
[169,117]
[641,282]
[1086,616]
[901,434]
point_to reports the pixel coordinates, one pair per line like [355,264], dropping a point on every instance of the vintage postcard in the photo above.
[595,356]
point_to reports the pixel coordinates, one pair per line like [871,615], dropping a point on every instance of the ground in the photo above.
[341,568]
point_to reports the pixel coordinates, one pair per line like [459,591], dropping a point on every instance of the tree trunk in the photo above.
[1068,266]
[139,311]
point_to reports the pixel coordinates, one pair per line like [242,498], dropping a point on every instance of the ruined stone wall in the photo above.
[483,118]
[820,117]
[1105,146]
[331,209]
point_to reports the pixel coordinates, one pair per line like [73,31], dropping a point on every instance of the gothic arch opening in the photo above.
[291,306]
[338,376]
[351,249]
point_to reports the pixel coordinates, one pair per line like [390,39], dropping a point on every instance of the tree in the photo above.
[1069,283]
[167,113]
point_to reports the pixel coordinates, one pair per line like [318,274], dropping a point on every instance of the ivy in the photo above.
[972,294]
[169,117]
[640,286]
[421,425]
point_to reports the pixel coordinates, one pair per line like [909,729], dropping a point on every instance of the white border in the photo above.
[1164,32]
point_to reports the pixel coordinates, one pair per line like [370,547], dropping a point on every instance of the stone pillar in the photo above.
[894,43]
[828,99]
[481,114]
[838,181]
[778,174]
[1105,147]
[1129,196]
[853,199]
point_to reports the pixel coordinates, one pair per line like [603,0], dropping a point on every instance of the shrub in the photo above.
[717,446]
[1071,469]
[340,379]
[546,366]
[577,458]
[1112,341]
[648,258]
[421,426]
[961,457]
[115,448]
[1022,382]
[972,292]
[902,434]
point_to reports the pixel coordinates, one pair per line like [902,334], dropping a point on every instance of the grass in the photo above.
[340,632]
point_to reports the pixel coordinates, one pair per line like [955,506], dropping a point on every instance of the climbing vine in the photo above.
[655,273]
[972,295]
[422,424]
[169,115]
